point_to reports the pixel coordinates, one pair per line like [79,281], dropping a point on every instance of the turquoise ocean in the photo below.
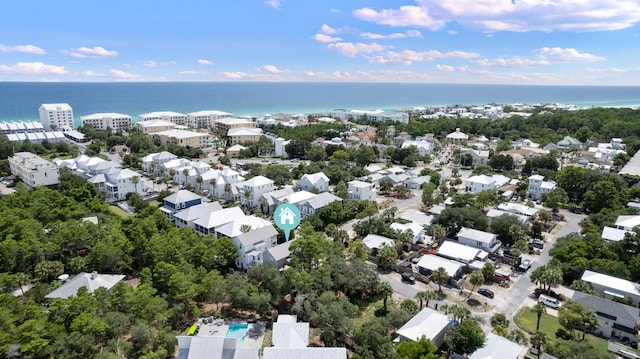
[20,101]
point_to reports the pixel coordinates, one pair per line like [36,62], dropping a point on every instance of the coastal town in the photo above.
[498,231]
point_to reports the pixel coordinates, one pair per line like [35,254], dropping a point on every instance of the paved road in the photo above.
[520,292]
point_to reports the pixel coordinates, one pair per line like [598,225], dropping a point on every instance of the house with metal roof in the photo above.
[319,181]
[497,347]
[186,217]
[291,339]
[479,239]
[612,287]
[316,203]
[91,281]
[252,245]
[460,252]
[427,323]
[373,243]
[616,319]
[180,200]
[278,255]
[430,263]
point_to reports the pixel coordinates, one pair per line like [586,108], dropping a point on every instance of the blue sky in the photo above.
[568,42]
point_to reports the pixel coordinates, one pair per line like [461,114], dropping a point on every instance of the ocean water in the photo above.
[21,100]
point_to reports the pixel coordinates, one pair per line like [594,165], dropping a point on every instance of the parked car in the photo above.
[265,160]
[486,292]
[536,242]
[525,265]
[409,278]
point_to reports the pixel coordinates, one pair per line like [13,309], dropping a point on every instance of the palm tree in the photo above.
[247,195]
[426,296]
[538,339]
[227,190]
[172,173]
[199,181]
[476,278]
[135,180]
[441,277]
[21,279]
[539,309]
[213,182]
[385,290]
[185,173]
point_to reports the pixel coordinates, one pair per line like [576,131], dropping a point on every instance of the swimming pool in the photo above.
[238,330]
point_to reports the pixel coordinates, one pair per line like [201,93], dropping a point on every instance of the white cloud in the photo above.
[235,75]
[191,72]
[403,16]
[33,68]
[124,75]
[396,35]
[407,57]
[444,68]
[452,32]
[272,69]
[504,15]
[328,29]
[566,55]
[512,62]
[28,49]
[352,50]
[150,64]
[92,74]
[90,52]
[545,56]
[276,4]
[325,38]
[204,62]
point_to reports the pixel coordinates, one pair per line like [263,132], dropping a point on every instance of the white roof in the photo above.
[536,177]
[628,221]
[518,209]
[232,120]
[91,281]
[182,196]
[237,147]
[497,347]
[306,353]
[360,184]
[219,218]
[288,334]
[417,217]
[315,177]
[432,262]
[457,135]
[180,134]
[233,228]
[614,234]
[244,131]
[483,179]
[480,236]
[281,251]
[375,241]
[257,181]
[198,211]
[155,123]
[56,106]
[100,115]
[298,197]
[457,251]
[209,112]
[494,213]
[322,199]
[414,228]
[427,323]
[162,114]
[618,284]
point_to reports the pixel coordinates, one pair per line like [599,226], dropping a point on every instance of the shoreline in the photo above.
[135,118]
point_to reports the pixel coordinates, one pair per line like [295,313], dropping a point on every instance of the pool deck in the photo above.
[220,327]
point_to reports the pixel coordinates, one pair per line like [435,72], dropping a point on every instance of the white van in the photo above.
[549,301]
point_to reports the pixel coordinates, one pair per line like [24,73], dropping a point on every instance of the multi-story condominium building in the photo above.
[56,116]
[182,138]
[152,126]
[174,117]
[226,123]
[206,119]
[373,115]
[244,134]
[117,122]
[33,170]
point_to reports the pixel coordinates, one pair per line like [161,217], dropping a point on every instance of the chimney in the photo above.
[94,275]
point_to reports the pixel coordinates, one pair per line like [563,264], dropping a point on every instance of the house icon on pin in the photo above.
[287,216]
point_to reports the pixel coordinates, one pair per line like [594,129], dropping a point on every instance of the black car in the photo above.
[486,292]
[409,278]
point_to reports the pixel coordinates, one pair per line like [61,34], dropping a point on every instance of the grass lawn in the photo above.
[120,212]
[526,320]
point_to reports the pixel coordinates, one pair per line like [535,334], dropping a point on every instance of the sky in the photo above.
[538,42]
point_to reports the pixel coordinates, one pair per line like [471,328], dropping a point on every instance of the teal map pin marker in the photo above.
[287,217]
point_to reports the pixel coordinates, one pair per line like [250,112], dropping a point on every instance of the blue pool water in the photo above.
[238,331]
